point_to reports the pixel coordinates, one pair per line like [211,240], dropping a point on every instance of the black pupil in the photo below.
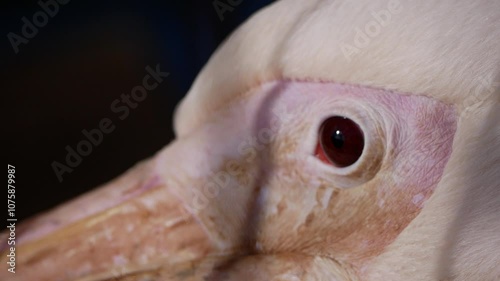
[337,139]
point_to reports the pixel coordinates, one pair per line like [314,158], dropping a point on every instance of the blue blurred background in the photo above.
[64,79]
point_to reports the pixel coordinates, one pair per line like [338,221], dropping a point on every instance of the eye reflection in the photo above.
[341,142]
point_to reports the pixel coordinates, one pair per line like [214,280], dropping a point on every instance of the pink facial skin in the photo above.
[247,181]
[351,214]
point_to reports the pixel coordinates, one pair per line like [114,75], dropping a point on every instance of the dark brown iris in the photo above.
[341,141]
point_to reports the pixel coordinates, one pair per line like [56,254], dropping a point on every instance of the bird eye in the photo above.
[340,142]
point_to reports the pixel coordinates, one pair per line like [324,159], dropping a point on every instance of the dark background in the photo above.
[66,77]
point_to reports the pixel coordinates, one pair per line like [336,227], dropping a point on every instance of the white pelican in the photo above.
[325,140]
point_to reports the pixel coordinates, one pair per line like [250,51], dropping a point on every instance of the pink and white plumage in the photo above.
[240,195]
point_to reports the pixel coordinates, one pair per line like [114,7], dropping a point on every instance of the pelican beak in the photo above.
[175,215]
[141,224]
